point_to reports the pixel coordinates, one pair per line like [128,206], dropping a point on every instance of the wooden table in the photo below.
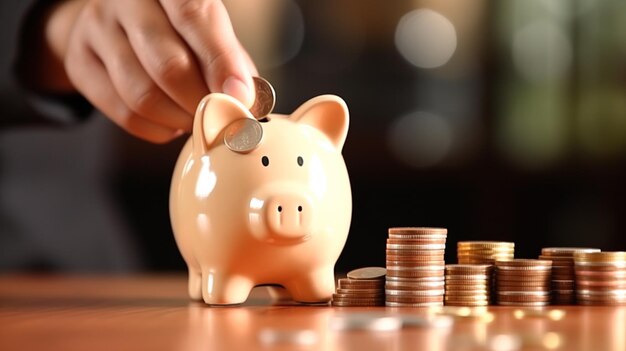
[153,313]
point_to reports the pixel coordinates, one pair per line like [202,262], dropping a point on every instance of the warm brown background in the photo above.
[533,99]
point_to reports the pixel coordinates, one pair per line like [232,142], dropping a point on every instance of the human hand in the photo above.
[146,64]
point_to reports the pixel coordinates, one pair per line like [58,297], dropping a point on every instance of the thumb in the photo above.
[207,29]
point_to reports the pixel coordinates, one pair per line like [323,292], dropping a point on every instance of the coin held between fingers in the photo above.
[265,98]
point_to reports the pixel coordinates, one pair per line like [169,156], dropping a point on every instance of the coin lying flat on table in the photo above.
[367,273]
[243,135]
[265,98]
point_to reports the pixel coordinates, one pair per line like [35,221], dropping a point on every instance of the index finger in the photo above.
[207,29]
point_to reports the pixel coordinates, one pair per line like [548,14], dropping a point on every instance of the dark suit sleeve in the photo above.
[18,104]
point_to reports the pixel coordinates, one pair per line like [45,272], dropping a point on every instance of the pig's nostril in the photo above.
[280,209]
[299,208]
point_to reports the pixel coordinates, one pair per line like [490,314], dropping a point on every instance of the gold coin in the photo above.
[605,256]
[484,244]
[523,262]
[566,251]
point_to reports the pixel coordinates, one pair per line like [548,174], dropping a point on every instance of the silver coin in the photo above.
[365,321]
[429,321]
[265,98]
[288,336]
[243,135]
[367,273]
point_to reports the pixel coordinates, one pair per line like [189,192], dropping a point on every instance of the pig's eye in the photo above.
[300,161]
[265,161]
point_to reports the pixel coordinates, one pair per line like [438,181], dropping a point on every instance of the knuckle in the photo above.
[124,117]
[174,67]
[220,56]
[94,11]
[144,98]
[91,9]
[190,11]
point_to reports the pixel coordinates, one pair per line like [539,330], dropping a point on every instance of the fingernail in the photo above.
[239,90]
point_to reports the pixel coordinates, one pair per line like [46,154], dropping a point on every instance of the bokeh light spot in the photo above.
[426,38]
[542,51]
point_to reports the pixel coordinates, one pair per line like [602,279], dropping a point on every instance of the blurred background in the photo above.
[499,120]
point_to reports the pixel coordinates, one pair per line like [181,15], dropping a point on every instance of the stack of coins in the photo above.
[484,252]
[415,267]
[523,282]
[600,278]
[468,284]
[363,287]
[563,287]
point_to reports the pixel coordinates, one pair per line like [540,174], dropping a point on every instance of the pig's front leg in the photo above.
[222,289]
[195,284]
[316,286]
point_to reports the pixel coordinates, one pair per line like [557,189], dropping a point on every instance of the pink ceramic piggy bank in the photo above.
[278,213]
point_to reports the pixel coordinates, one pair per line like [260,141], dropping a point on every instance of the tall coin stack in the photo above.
[468,284]
[563,276]
[363,287]
[415,267]
[600,278]
[523,282]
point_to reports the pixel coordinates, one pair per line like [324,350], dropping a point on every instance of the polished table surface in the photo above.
[41,312]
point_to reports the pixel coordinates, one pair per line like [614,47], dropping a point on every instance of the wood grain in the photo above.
[154,313]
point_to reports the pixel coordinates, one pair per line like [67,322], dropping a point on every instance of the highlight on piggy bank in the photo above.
[262,202]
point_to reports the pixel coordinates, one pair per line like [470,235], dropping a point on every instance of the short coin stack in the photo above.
[363,287]
[468,284]
[600,278]
[563,287]
[523,282]
[484,252]
[415,267]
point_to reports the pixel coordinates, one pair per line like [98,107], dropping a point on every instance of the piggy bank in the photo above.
[278,213]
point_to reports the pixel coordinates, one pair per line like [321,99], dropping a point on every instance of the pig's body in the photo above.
[239,222]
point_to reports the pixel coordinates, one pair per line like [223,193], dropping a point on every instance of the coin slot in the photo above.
[264,119]
[265,161]
[280,209]
[300,161]
[299,208]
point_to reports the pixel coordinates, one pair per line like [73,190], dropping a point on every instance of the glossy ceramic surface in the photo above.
[278,214]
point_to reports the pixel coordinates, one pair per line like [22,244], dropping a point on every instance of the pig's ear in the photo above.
[214,113]
[328,114]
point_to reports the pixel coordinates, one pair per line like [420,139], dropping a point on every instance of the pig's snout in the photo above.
[289,215]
